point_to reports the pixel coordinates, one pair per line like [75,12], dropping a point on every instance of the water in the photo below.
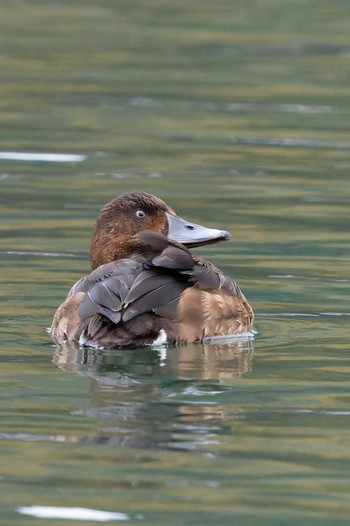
[237,114]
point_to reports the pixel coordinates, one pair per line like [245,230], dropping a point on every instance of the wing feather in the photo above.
[156,297]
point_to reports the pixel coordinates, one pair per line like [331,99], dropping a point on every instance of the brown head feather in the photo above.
[119,222]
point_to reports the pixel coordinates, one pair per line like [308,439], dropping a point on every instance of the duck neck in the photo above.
[107,246]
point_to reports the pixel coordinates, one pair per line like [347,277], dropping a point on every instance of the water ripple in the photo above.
[311,278]
[41,254]
[319,412]
[290,143]
[282,142]
[325,200]
[13,177]
[148,102]
[300,314]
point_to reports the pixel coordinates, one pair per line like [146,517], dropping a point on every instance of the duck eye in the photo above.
[140,214]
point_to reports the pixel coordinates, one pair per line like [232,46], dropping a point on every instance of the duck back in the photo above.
[166,294]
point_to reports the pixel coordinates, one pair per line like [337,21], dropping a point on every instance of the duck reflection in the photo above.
[168,397]
[217,362]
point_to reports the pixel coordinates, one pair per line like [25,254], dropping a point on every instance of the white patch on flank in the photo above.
[162,338]
[80,514]
[160,344]
[83,338]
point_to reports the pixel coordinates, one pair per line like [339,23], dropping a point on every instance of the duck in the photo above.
[146,286]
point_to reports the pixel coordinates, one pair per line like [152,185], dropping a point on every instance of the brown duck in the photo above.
[146,286]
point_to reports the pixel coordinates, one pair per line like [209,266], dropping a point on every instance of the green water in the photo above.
[238,115]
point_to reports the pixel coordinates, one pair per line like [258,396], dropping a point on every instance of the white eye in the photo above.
[140,214]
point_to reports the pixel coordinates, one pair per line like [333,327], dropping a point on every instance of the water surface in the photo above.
[237,114]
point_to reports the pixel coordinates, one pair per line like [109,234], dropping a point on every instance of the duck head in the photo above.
[120,221]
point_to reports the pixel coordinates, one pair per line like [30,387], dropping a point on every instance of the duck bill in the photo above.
[192,235]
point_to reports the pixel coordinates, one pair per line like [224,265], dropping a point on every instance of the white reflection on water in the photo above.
[42,157]
[78,514]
